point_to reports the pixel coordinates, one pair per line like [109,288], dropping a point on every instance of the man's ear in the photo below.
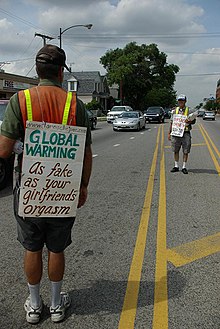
[60,73]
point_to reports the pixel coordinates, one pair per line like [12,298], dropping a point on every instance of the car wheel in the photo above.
[138,127]
[4,168]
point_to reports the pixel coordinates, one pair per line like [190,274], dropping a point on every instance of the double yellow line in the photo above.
[211,146]
[160,319]
[160,315]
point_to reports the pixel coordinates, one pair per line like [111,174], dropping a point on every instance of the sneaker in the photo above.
[58,313]
[32,314]
[175,169]
[185,171]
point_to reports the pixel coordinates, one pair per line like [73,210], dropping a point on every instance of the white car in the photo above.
[209,115]
[132,120]
[116,111]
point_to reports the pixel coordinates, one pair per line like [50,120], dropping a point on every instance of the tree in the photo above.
[143,74]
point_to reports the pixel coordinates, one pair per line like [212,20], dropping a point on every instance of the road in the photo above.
[145,251]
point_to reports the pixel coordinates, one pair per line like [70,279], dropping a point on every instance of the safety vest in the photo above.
[48,104]
[186,111]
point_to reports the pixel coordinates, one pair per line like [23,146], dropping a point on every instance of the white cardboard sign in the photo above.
[178,125]
[51,169]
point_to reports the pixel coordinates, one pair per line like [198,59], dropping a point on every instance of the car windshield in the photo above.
[153,110]
[129,115]
[118,108]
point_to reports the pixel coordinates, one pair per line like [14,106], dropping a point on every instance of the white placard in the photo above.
[51,169]
[178,125]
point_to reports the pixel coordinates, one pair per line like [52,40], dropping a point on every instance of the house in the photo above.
[89,86]
[12,83]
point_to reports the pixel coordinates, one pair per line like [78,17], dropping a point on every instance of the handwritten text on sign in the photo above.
[51,170]
[178,125]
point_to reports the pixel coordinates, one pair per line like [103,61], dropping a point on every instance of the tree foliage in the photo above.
[143,73]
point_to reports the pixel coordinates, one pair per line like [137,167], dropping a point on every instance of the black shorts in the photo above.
[34,233]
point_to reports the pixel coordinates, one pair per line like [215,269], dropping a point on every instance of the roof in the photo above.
[86,80]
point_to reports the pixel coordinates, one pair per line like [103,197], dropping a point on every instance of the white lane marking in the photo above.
[132,137]
[116,145]
[142,133]
[94,155]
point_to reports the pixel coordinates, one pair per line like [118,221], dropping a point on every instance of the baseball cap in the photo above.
[51,54]
[181,97]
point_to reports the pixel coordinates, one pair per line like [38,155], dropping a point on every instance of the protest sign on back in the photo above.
[51,170]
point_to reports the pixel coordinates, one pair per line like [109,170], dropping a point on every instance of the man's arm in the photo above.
[169,132]
[6,146]
[86,173]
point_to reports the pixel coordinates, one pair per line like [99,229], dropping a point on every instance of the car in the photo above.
[116,111]
[154,113]
[209,115]
[167,112]
[200,113]
[92,119]
[6,165]
[131,120]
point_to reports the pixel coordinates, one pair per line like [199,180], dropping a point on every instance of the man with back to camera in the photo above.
[49,102]
[185,140]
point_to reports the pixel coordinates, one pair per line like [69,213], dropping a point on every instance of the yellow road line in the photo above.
[198,144]
[127,318]
[189,252]
[210,140]
[210,151]
[160,318]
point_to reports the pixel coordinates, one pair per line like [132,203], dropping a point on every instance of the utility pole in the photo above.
[44,37]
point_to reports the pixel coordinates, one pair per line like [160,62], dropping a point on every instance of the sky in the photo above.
[188,31]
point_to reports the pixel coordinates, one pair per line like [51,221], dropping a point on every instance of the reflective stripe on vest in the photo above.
[186,111]
[65,112]
[28,104]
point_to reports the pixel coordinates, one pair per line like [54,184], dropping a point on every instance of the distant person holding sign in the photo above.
[179,132]
[49,130]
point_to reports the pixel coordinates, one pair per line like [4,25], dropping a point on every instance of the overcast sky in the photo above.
[188,31]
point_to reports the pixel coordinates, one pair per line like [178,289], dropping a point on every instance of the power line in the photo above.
[198,74]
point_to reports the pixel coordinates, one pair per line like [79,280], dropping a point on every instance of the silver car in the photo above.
[132,120]
[209,115]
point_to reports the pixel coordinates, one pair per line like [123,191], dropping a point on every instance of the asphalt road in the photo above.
[145,251]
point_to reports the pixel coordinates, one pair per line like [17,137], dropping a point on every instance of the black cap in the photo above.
[51,54]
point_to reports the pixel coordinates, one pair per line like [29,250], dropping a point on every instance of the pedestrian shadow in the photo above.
[203,171]
[108,296]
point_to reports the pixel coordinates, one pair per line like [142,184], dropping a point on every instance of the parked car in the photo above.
[132,120]
[154,113]
[200,113]
[116,111]
[6,165]
[92,119]
[209,115]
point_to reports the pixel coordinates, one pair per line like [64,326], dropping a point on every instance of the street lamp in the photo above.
[88,26]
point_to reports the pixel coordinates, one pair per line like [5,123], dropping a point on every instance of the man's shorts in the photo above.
[34,233]
[184,141]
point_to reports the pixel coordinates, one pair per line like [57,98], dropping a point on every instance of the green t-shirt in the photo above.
[12,125]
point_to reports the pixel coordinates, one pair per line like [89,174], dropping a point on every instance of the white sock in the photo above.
[184,165]
[176,164]
[34,294]
[55,293]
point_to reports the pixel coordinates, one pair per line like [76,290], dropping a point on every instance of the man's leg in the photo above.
[33,268]
[185,158]
[60,301]
[176,163]
[56,266]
